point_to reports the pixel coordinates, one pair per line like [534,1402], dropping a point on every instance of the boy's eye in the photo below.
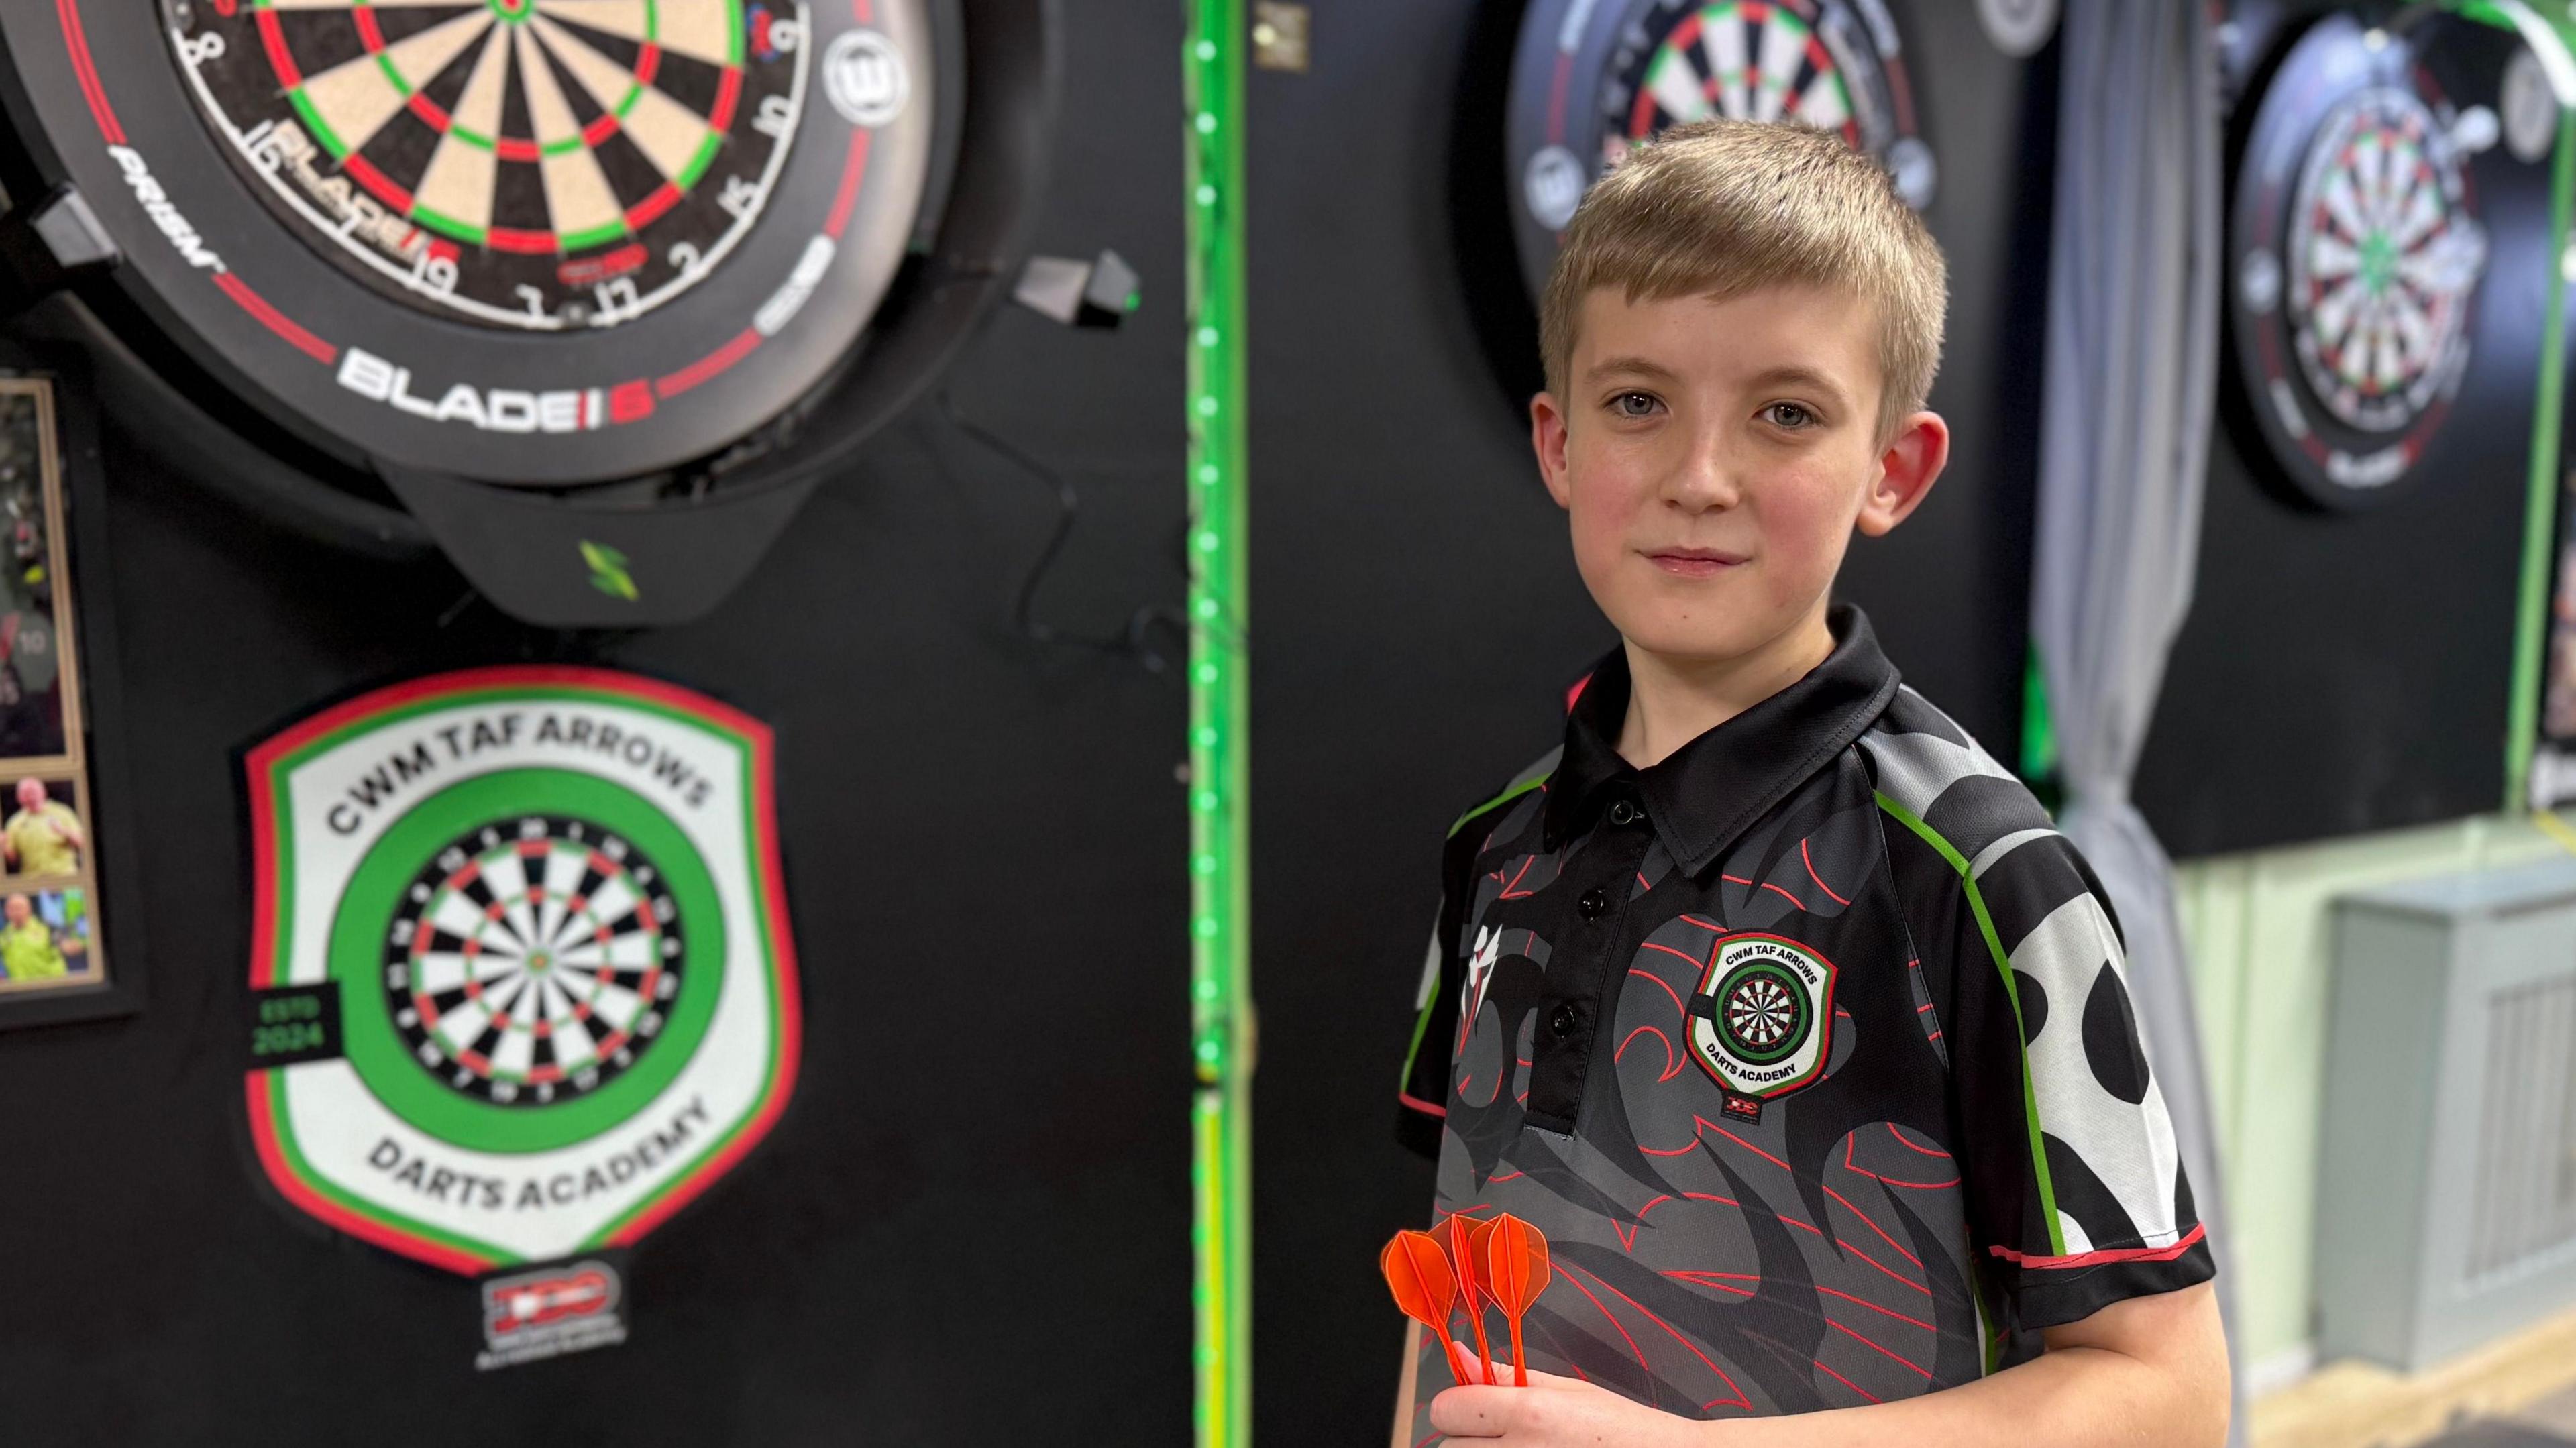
[1634,404]
[1789,415]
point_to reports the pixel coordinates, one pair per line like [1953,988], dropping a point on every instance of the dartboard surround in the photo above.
[524,242]
[2355,249]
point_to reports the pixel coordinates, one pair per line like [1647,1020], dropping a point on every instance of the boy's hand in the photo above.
[1555,1412]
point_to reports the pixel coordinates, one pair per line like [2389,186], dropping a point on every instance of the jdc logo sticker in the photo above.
[563,1308]
[1762,1019]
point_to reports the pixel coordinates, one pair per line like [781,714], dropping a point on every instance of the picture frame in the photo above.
[66,843]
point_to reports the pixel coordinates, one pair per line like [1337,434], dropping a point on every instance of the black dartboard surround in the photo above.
[2354,252]
[1592,77]
[357,365]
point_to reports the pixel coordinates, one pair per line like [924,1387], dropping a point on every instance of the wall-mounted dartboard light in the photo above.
[1592,78]
[587,293]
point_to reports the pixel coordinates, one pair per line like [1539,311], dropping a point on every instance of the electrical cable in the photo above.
[1132,642]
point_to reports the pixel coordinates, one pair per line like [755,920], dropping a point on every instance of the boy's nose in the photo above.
[1705,479]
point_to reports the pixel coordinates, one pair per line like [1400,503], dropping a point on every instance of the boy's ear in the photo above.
[1547,439]
[1907,467]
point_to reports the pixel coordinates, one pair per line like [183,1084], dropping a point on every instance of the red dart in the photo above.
[1482,1233]
[1418,1274]
[1477,1237]
[1458,1234]
[1516,1272]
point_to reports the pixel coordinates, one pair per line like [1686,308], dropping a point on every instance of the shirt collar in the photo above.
[1710,790]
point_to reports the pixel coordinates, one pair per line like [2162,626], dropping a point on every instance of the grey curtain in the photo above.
[2135,263]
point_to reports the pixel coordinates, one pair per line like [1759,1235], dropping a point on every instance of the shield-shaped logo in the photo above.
[1762,1020]
[522,976]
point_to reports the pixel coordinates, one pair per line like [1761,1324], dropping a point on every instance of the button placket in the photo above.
[1562,1060]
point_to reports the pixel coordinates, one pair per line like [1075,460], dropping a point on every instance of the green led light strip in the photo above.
[2531,616]
[2543,34]
[1220,947]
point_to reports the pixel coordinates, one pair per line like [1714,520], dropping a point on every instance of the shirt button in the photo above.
[1562,1022]
[1624,813]
[1592,903]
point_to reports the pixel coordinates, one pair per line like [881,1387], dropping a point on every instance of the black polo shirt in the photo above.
[1808,1048]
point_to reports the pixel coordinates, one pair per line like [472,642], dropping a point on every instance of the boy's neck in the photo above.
[1672,701]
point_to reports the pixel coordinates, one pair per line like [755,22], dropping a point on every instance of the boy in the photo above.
[1769,997]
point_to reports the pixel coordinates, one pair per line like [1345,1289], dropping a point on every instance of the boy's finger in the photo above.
[1537,1379]
[1475,1411]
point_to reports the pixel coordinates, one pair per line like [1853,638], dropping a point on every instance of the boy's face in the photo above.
[1714,457]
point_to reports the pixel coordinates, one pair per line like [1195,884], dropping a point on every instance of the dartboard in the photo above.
[533,960]
[1595,77]
[523,242]
[2382,257]
[2356,253]
[1763,1011]
[535,164]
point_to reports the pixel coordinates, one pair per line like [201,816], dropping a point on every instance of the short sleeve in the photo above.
[2075,1189]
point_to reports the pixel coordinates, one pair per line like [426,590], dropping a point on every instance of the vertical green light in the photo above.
[2541,487]
[2540,512]
[1220,956]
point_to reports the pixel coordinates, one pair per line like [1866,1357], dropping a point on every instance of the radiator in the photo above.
[2446,1204]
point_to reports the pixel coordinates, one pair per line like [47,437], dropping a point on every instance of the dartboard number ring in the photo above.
[526,164]
[533,960]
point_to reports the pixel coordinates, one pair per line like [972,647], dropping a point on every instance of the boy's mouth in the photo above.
[1694,562]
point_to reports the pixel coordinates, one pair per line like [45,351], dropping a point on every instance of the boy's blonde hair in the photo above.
[1723,208]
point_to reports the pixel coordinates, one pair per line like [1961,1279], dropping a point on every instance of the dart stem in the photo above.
[1520,1364]
[1476,1320]
[1457,1365]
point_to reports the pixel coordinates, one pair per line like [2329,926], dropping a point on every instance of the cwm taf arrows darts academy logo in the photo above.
[521,972]
[1762,1019]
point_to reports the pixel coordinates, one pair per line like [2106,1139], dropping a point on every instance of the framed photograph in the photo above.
[55,856]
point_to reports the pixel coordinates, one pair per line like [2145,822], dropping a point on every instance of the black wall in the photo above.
[945,1242]
[948,1239]
[2344,672]
[1416,611]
